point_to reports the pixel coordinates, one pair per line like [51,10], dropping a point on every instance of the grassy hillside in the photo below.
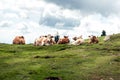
[84,62]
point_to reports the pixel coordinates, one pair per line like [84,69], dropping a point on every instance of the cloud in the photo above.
[60,23]
[32,18]
[52,17]
[104,7]
[95,23]
[5,23]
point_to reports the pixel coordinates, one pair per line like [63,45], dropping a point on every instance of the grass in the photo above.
[84,62]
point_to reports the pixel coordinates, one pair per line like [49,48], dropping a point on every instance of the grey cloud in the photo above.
[51,21]
[5,24]
[104,7]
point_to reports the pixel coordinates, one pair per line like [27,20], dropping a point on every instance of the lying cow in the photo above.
[93,39]
[107,38]
[77,40]
[44,40]
[19,40]
[64,40]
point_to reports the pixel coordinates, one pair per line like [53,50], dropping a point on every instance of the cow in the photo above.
[44,41]
[19,40]
[107,38]
[77,40]
[38,41]
[93,39]
[64,40]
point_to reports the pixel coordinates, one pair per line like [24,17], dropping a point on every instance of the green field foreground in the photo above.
[84,62]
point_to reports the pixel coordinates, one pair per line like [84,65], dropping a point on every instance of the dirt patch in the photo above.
[46,57]
[53,78]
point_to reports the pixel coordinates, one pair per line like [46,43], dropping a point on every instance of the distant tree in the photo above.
[103,33]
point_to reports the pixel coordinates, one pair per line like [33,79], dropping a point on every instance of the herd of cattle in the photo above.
[50,40]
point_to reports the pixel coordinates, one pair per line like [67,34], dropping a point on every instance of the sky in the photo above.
[33,18]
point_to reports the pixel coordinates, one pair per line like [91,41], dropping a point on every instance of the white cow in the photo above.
[77,40]
[44,41]
[107,38]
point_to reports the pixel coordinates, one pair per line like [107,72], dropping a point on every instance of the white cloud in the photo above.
[11,15]
[95,23]
[5,23]
[32,18]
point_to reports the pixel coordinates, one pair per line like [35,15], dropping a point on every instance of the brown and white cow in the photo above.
[107,38]
[64,40]
[77,40]
[44,41]
[19,40]
[93,39]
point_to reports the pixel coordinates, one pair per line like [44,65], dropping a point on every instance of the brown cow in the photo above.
[64,40]
[19,40]
[93,39]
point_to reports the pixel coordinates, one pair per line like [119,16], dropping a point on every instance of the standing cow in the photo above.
[19,40]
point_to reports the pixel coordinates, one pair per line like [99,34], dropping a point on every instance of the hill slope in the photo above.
[84,62]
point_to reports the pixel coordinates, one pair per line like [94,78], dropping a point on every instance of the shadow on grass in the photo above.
[53,78]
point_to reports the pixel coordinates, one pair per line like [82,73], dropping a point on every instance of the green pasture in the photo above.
[84,62]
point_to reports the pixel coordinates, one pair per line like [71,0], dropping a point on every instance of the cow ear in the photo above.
[51,36]
[22,37]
